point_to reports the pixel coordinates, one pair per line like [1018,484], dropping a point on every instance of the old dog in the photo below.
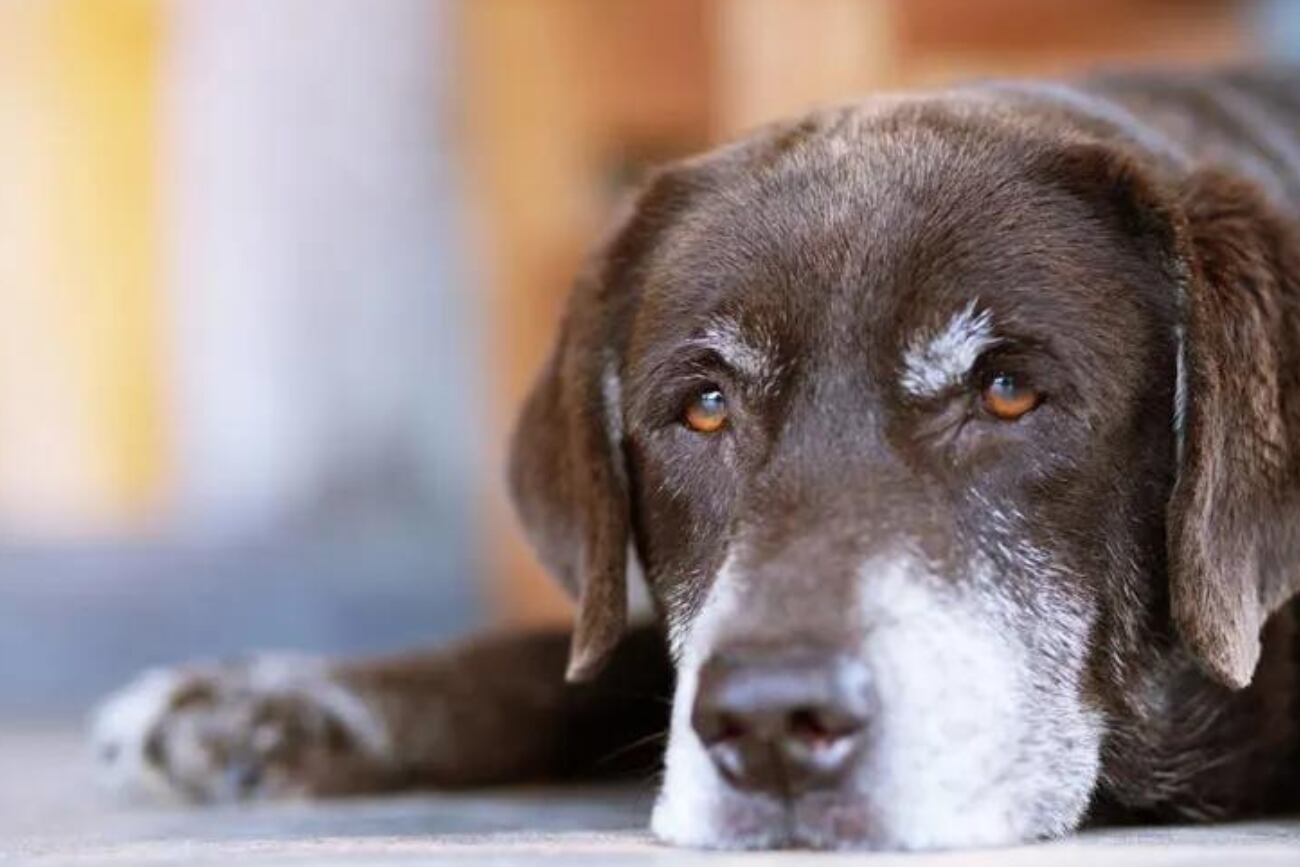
[956,436]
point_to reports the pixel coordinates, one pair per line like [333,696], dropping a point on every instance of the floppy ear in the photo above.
[567,474]
[1234,516]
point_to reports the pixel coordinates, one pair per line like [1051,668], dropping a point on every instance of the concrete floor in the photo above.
[51,815]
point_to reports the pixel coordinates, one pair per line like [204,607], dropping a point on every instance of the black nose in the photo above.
[782,723]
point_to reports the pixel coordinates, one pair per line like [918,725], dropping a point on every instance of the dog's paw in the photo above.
[270,727]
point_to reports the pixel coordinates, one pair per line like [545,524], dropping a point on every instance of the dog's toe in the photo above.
[121,728]
[273,727]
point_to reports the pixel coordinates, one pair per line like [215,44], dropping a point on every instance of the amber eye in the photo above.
[1008,398]
[706,412]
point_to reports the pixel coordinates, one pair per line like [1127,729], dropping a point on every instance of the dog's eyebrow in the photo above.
[742,353]
[939,360]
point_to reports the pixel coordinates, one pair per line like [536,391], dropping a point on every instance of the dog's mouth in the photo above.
[827,822]
[819,824]
[822,821]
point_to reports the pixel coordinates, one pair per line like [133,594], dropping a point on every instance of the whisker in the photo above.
[653,737]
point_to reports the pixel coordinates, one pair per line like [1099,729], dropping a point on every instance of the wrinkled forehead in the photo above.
[886,249]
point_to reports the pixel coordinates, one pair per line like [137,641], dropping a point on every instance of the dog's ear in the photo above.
[1234,517]
[567,473]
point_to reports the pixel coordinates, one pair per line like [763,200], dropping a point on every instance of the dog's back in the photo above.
[1246,120]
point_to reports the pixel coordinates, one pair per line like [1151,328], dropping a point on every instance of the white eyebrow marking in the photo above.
[939,361]
[724,337]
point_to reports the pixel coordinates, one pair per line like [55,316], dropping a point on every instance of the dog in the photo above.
[957,439]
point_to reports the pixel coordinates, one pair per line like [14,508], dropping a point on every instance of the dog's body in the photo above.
[958,439]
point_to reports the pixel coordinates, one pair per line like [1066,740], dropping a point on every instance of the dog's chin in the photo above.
[744,823]
[698,809]
[839,823]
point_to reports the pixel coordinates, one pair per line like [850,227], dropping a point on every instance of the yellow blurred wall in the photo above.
[81,432]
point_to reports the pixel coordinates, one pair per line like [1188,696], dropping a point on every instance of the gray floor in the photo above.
[50,814]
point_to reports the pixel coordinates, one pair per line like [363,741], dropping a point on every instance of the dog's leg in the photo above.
[491,710]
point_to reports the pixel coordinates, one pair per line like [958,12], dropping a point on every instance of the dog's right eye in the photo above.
[1008,397]
[706,411]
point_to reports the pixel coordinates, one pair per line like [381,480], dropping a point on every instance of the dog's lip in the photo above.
[810,821]
[819,821]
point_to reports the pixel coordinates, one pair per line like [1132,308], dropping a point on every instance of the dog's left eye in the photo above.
[706,412]
[1009,397]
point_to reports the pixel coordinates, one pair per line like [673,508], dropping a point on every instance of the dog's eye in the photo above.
[706,412]
[1008,398]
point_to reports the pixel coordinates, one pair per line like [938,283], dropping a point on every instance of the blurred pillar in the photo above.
[82,444]
[324,367]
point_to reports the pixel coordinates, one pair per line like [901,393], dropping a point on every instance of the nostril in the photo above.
[716,726]
[805,724]
[819,727]
[729,728]
[805,727]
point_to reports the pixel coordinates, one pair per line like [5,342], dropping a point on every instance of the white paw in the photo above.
[274,726]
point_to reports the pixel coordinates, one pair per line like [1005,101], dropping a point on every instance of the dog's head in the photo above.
[925,427]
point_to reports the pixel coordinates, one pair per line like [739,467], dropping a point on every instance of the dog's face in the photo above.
[891,406]
[932,373]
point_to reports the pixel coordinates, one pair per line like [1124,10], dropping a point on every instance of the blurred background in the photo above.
[274,275]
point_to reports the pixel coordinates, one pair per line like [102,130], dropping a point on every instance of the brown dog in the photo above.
[957,437]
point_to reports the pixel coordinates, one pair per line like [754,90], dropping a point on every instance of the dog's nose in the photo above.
[783,723]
